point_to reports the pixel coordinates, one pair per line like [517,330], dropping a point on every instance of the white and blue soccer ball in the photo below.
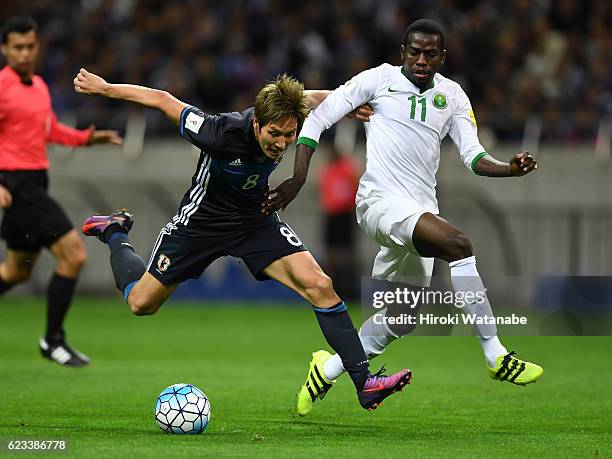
[182,409]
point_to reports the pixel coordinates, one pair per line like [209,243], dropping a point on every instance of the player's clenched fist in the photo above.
[280,197]
[522,164]
[89,83]
[6,199]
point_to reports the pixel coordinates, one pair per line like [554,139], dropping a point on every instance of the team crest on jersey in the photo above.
[439,101]
[163,263]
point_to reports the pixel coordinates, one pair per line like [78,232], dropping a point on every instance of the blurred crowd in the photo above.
[518,60]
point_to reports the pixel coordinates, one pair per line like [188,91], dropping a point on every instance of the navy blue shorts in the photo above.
[183,252]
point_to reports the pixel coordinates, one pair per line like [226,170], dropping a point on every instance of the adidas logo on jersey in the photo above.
[236,162]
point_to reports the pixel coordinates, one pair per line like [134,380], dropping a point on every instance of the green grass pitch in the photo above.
[250,361]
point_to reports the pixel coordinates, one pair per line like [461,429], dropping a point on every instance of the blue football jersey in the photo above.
[232,174]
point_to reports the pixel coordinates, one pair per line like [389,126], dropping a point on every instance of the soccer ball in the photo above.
[182,409]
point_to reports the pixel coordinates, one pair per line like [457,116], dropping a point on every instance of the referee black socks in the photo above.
[340,334]
[127,267]
[59,297]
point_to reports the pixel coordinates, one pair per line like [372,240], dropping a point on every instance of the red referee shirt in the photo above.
[338,182]
[27,123]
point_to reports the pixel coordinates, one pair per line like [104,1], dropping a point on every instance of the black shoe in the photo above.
[62,353]
[379,386]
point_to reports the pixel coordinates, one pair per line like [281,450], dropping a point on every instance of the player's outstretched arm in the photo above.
[336,105]
[317,96]
[520,164]
[91,84]
[283,194]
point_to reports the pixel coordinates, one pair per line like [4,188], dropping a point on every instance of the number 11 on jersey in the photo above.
[414,102]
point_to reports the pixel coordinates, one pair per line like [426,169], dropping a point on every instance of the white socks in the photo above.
[465,278]
[332,368]
[492,348]
[375,337]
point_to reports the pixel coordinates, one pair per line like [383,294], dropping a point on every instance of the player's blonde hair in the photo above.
[281,99]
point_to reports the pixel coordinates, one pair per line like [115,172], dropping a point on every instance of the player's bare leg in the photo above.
[148,294]
[435,237]
[300,272]
[143,292]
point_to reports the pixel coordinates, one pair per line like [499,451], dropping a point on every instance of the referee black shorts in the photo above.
[184,251]
[34,219]
[339,229]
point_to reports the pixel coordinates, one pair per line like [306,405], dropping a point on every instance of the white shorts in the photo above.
[390,221]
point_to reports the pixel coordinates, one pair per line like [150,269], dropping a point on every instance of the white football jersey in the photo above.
[405,132]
